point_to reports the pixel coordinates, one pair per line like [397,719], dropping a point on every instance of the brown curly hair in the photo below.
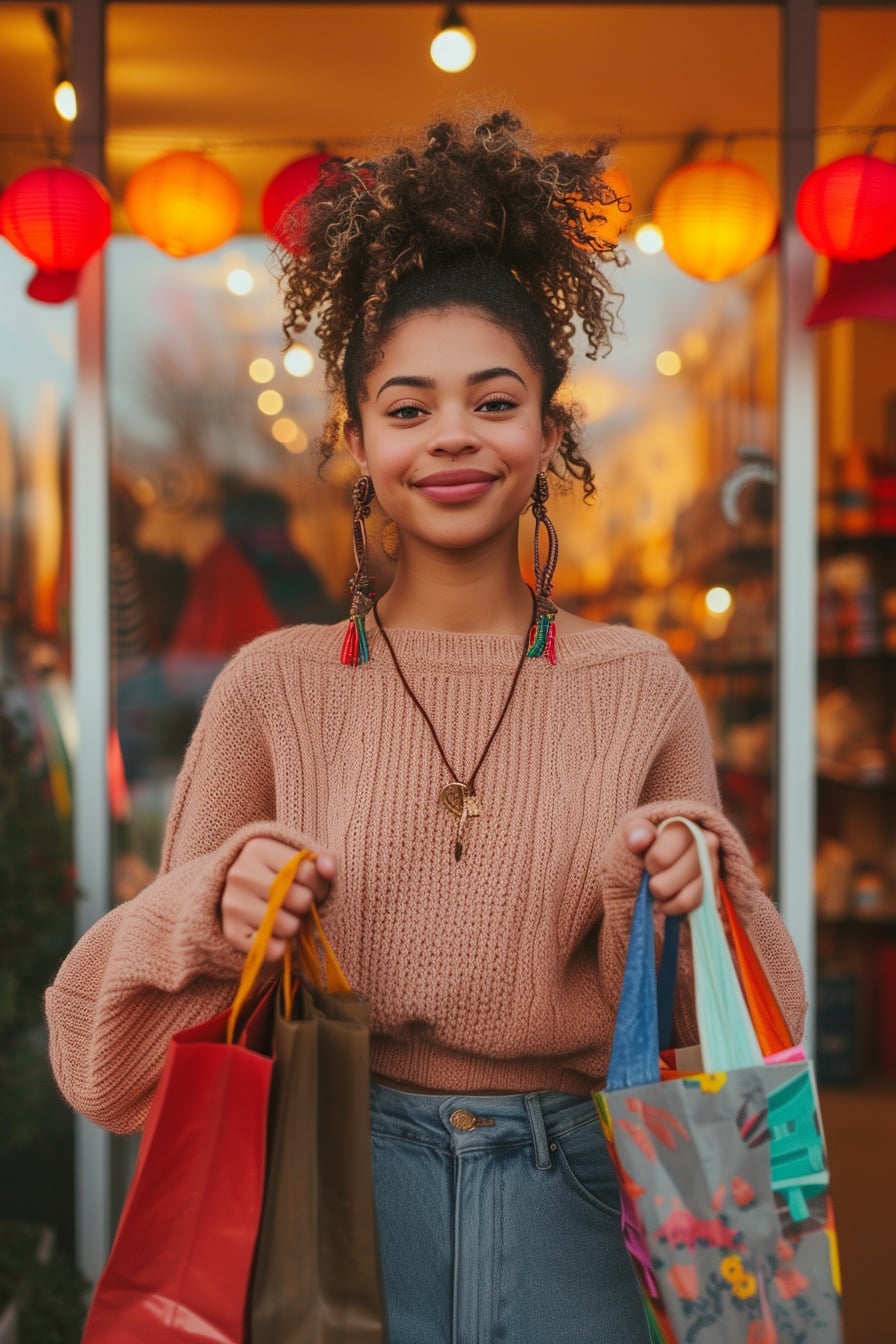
[474,218]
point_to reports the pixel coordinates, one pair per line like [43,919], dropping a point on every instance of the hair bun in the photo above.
[478,187]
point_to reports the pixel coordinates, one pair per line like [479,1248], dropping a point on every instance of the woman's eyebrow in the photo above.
[487,374]
[416,380]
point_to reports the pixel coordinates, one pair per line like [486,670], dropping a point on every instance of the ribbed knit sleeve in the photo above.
[681,781]
[160,963]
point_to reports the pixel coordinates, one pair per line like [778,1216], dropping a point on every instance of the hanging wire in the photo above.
[232,145]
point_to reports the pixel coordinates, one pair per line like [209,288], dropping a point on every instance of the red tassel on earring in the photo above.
[354,644]
[349,654]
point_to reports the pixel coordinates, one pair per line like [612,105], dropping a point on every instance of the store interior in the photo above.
[215,491]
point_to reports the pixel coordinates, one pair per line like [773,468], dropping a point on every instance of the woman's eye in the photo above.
[405,412]
[497,403]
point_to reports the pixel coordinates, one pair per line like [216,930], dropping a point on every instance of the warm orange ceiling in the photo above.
[256,85]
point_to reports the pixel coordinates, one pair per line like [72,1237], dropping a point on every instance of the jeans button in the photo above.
[464,1120]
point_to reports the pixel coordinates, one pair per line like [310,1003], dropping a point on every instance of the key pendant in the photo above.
[461,802]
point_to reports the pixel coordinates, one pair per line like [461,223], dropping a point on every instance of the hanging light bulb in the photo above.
[65,100]
[454,47]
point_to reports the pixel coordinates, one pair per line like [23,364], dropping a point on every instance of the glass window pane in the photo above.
[37,740]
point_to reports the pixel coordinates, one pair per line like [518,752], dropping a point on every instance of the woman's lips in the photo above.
[455,487]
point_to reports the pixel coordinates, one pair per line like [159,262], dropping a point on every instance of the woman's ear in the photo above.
[552,435]
[355,443]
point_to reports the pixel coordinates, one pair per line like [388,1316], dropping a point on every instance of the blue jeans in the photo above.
[499,1221]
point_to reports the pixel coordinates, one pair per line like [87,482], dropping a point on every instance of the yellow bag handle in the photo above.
[309,940]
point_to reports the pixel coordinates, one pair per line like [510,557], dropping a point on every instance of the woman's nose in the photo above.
[454,433]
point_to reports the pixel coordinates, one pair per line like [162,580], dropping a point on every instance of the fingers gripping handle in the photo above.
[313,948]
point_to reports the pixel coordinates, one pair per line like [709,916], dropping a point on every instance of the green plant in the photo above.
[36,893]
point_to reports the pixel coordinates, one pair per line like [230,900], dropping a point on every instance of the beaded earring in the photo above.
[543,633]
[354,645]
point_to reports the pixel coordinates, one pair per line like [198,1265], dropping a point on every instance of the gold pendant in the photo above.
[461,802]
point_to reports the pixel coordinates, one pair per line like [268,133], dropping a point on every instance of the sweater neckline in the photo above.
[483,651]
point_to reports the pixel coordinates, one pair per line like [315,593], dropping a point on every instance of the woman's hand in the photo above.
[670,857]
[245,896]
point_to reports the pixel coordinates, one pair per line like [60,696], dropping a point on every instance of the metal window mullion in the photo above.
[90,611]
[798,472]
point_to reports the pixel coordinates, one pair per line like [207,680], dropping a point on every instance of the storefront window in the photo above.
[222,527]
[37,740]
[204,456]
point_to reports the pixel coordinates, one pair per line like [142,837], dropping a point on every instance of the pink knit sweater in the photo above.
[501,971]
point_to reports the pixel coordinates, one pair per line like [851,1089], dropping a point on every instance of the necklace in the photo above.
[457,797]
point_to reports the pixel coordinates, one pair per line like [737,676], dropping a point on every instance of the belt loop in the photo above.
[539,1133]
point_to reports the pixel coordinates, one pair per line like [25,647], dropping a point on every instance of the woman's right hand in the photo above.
[245,897]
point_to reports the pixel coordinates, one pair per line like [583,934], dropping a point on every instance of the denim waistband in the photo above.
[457,1123]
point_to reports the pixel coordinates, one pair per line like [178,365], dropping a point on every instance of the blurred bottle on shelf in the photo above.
[837,1025]
[855,490]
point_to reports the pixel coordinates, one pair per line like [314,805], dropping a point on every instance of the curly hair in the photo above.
[474,218]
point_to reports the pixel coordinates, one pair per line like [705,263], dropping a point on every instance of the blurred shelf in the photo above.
[837,542]
[877,922]
[883,655]
[870,783]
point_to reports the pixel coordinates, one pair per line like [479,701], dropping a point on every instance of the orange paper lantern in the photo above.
[847,209]
[58,218]
[184,203]
[280,203]
[717,217]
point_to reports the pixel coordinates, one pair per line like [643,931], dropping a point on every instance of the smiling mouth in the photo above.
[455,487]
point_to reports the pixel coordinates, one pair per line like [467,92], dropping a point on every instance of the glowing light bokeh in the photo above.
[668,363]
[261,370]
[299,361]
[239,281]
[718,601]
[649,239]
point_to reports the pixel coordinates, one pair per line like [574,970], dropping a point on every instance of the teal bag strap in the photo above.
[727,1037]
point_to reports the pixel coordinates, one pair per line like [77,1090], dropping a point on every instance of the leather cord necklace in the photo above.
[457,797]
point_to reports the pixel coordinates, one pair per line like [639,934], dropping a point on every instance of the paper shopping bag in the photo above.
[317,1274]
[180,1264]
[724,1179]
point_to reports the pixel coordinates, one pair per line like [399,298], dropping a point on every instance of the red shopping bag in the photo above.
[179,1268]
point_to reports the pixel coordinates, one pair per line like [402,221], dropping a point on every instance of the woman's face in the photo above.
[451,428]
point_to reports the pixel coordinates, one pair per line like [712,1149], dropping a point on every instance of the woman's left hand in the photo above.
[670,857]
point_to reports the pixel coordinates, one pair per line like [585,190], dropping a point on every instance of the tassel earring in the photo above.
[354,645]
[543,633]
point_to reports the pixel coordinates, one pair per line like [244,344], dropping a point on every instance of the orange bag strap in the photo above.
[255,956]
[311,942]
[768,1019]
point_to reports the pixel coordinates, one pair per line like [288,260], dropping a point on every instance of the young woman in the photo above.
[481,775]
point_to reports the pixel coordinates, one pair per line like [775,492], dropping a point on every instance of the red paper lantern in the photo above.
[717,217]
[184,203]
[847,209]
[857,289]
[280,217]
[57,218]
